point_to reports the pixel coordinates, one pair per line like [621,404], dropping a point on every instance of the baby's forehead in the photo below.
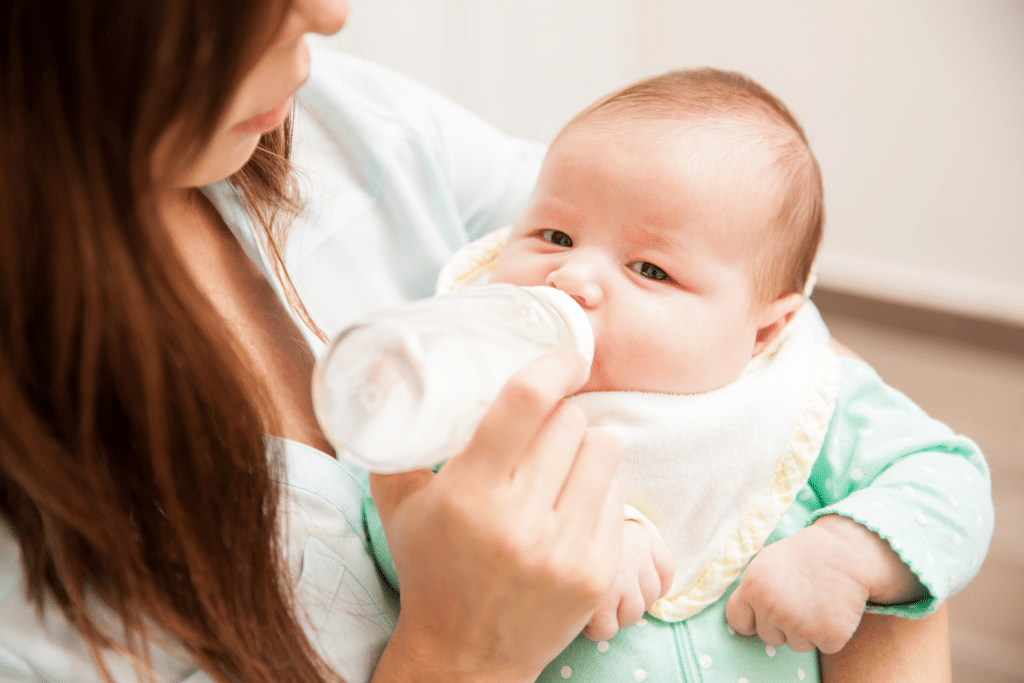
[714,136]
[722,172]
[739,150]
[738,162]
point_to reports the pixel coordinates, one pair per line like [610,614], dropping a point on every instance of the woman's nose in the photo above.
[321,16]
[579,277]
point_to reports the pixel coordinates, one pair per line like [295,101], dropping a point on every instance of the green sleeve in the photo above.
[378,542]
[910,479]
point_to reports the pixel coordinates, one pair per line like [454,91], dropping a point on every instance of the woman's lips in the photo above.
[267,121]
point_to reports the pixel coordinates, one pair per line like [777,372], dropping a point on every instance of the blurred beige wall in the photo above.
[915,109]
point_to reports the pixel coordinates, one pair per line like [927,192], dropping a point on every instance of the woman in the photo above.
[145,357]
[166,502]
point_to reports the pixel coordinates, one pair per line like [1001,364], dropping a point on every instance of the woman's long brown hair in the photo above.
[133,464]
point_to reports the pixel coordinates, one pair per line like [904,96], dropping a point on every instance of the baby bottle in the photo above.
[406,388]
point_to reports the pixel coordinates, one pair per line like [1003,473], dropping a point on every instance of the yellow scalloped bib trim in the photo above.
[472,261]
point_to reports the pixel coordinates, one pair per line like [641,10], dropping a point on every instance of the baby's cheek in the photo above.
[506,271]
[620,367]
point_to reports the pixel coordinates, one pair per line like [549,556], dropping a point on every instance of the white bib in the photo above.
[715,472]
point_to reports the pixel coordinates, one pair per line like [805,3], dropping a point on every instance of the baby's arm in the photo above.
[809,590]
[646,569]
[888,471]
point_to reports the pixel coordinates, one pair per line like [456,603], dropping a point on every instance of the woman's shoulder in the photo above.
[337,77]
[350,95]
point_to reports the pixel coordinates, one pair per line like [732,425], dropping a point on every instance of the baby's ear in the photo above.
[774,317]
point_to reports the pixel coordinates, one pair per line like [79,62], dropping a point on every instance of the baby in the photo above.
[683,214]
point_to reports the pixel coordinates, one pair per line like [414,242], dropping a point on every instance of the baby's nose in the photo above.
[580,280]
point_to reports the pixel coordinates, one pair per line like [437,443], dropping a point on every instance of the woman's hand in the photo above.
[505,552]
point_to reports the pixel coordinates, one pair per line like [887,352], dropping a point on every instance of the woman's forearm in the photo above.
[895,650]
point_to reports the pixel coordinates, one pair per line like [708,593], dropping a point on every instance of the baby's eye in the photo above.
[649,270]
[556,237]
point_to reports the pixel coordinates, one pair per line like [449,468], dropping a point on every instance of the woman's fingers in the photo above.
[522,407]
[588,486]
[547,461]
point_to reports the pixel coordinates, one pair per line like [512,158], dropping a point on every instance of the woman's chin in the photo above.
[218,166]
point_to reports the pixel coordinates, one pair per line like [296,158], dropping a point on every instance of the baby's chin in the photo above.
[661,383]
[600,381]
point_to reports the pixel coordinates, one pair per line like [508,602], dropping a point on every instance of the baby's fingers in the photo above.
[631,608]
[664,565]
[746,620]
[604,623]
[739,613]
[798,643]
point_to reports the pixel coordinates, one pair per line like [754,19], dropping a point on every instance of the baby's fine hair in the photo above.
[793,233]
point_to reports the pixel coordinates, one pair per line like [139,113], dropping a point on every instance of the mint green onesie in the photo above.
[885,464]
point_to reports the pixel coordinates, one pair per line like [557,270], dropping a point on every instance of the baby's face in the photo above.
[656,252]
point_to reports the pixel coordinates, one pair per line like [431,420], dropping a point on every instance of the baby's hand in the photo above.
[646,569]
[810,589]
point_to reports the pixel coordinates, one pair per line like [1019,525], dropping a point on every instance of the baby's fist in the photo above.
[646,569]
[801,592]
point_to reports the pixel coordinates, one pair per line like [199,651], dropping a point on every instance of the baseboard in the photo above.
[919,287]
[962,329]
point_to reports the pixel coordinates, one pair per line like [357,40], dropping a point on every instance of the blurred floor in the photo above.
[975,384]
